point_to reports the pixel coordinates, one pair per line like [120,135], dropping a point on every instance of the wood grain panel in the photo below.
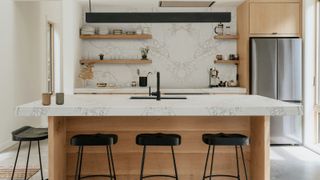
[190,154]
[275,18]
[243,44]
[129,163]
[260,148]
[57,148]
[144,124]
[191,142]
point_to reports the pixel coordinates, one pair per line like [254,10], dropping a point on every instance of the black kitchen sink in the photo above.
[154,97]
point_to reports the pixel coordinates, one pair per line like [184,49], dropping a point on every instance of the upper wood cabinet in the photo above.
[275,19]
[276,1]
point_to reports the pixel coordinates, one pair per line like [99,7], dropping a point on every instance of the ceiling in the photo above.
[150,3]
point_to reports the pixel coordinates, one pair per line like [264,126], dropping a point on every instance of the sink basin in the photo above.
[162,97]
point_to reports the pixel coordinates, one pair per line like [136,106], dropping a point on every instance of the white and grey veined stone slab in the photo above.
[199,105]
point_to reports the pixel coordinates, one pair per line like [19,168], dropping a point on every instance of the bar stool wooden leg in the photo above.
[15,162]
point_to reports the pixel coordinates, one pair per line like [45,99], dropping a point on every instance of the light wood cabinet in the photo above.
[275,19]
[276,1]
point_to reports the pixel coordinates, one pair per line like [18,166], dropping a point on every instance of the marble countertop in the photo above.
[142,90]
[195,105]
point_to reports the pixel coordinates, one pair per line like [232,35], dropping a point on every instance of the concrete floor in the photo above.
[287,163]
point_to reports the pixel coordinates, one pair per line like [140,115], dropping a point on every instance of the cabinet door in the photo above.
[275,19]
[277,1]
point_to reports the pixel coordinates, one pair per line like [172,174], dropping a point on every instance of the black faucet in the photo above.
[157,93]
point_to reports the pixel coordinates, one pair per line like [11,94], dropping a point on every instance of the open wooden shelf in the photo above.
[115,36]
[115,61]
[226,61]
[226,37]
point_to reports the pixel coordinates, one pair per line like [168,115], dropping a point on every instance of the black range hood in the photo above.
[161,17]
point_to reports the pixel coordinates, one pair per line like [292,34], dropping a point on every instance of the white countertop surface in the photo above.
[145,90]
[195,105]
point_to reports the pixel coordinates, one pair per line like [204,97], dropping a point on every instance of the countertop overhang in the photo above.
[195,105]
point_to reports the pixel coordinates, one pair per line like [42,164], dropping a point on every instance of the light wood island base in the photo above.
[127,155]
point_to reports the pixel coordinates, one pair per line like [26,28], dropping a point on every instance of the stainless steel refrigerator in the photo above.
[276,72]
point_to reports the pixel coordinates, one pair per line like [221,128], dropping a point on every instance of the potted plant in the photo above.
[144,53]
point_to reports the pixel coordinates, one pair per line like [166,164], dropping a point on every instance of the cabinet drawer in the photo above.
[275,18]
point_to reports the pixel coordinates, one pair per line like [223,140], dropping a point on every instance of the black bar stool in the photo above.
[224,140]
[94,140]
[29,134]
[158,139]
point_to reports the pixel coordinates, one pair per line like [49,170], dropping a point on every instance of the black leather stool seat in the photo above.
[28,133]
[225,139]
[94,140]
[158,139]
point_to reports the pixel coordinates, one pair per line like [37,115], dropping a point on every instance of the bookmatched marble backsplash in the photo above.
[182,52]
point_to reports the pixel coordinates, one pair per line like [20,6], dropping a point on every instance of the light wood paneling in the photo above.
[57,148]
[115,36]
[275,19]
[115,61]
[190,154]
[243,44]
[275,1]
[260,148]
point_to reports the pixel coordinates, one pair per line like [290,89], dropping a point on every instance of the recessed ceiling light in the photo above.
[186,3]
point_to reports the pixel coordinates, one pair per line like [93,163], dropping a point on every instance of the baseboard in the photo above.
[6,145]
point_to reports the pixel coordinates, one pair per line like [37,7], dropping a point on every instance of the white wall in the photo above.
[309,71]
[71,13]
[20,64]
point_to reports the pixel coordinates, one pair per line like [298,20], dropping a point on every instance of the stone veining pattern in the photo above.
[197,105]
[182,52]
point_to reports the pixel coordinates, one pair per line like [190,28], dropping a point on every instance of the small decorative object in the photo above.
[236,57]
[219,29]
[228,30]
[232,57]
[144,53]
[59,98]
[233,83]
[117,31]
[146,30]
[103,31]
[133,83]
[130,32]
[101,84]
[101,56]
[219,57]
[138,31]
[46,99]
[86,73]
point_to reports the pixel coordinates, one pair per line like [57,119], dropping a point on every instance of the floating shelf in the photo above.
[226,37]
[115,36]
[226,61]
[115,61]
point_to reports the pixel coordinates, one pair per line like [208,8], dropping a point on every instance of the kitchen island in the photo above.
[118,114]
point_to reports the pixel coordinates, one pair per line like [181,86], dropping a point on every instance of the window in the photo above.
[50,58]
